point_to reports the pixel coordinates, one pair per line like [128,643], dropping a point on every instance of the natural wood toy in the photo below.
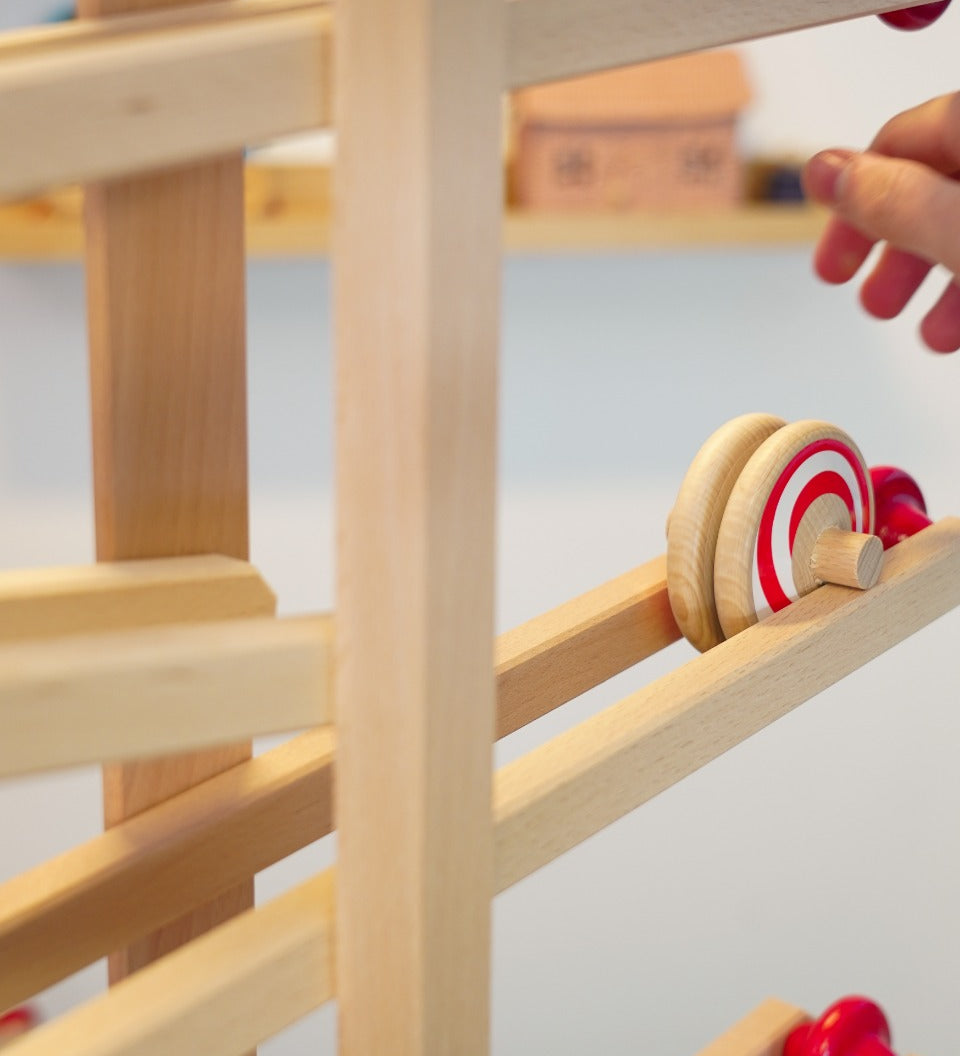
[767,512]
[853,1026]
[163,660]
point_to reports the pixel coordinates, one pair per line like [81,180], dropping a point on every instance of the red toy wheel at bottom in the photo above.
[854,1026]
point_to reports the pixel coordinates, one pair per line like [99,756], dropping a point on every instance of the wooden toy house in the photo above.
[662,135]
[164,659]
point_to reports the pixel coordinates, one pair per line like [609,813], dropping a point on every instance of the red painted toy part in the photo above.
[901,510]
[916,17]
[853,1026]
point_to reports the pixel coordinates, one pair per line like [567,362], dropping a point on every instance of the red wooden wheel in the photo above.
[916,17]
[853,1026]
[901,510]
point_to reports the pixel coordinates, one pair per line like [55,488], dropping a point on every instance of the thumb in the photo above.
[901,202]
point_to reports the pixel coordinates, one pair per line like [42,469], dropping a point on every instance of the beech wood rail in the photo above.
[544,803]
[112,96]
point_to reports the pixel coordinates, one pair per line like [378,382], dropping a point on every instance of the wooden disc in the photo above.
[775,508]
[695,523]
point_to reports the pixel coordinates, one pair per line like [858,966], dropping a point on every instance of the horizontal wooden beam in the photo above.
[555,39]
[107,97]
[94,99]
[47,602]
[220,995]
[557,796]
[239,822]
[151,692]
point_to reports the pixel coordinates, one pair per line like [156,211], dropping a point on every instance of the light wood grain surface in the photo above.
[554,39]
[156,866]
[85,103]
[250,817]
[47,602]
[695,519]
[557,656]
[223,993]
[148,693]
[165,271]
[214,835]
[416,310]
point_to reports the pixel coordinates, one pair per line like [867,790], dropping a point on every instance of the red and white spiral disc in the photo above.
[802,469]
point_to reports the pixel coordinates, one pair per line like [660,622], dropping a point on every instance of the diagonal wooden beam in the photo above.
[645,743]
[253,815]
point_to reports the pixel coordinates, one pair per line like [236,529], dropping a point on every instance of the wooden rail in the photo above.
[243,820]
[548,801]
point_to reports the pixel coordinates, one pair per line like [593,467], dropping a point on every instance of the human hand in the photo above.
[902,191]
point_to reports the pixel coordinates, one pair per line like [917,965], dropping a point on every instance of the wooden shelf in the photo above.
[288,215]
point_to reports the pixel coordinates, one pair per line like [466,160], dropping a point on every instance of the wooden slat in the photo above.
[416,313]
[222,994]
[554,39]
[555,797]
[156,866]
[86,102]
[165,268]
[259,812]
[761,1033]
[47,602]
[146,693]
[59,87]
[283,797]
[557,656]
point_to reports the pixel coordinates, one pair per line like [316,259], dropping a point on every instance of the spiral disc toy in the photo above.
[768,512]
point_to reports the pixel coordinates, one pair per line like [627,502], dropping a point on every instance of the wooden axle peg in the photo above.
[854,1026]
[848,559]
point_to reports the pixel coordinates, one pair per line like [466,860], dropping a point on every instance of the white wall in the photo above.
[819,858]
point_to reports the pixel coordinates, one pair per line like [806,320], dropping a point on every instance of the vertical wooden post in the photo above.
[416,306]
[165,289]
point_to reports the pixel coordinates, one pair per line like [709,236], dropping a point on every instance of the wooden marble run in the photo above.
[163,659]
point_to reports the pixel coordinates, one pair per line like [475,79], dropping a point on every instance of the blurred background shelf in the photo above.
[288,215]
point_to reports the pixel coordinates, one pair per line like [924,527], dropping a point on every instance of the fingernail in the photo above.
[822,174]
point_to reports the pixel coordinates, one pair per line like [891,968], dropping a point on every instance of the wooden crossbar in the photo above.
[47,602]
[114,96]
[102,98]
[260,811]
[220,995]
[152,692]
[553,39]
